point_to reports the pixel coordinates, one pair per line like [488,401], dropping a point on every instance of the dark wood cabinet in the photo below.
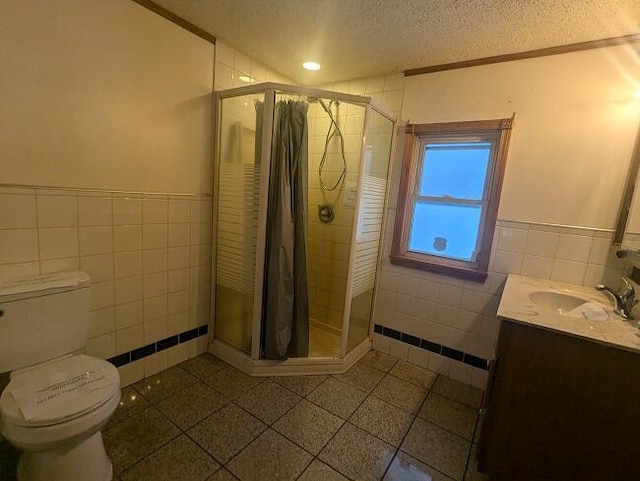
[560,408]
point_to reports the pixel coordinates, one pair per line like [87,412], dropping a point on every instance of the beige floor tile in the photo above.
[203,366]
[301,385]
[192,405]
[131,403]
[383,420]
[436,447]
[164,384]
[405,468]
[309,426]
[180,459]
[318,471]
[400,393]
[267,401]
[232,382]
[458,391]
[357,454]
[222,475]
[226,432]
[270,456]
[414,374]
[337,397]
[361,376]
[450,415]
[379,360]
[136,437]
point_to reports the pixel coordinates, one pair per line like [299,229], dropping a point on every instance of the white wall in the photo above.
[576,121]
[114,103]
[103,95]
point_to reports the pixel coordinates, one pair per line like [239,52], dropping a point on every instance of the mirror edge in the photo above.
[627,198]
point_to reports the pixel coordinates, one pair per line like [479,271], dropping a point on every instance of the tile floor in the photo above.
[204,420]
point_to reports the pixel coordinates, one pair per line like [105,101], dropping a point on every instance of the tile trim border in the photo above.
[431,346]
[158,346]
[80,191]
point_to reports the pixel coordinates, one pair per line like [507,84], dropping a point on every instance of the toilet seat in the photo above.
[70,405]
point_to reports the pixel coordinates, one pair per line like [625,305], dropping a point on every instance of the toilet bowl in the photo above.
[60,436]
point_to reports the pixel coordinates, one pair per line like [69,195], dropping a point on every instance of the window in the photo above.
[449,194]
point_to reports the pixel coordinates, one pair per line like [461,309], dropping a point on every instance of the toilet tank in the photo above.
[42,317]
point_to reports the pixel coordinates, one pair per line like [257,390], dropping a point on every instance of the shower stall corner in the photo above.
[301,181]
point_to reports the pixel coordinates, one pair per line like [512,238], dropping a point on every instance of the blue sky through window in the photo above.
[456,170]
[445,230]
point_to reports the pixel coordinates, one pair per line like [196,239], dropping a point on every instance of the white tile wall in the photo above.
[462,314]
[142,290]
[235,69]
[386,90]
[329,244]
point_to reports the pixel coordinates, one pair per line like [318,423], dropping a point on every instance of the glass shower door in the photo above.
[237,192]
[372,192]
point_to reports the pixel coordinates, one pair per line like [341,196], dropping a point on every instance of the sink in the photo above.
[569,304]
[558,302]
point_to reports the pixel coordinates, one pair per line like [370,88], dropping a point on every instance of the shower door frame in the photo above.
[252,363]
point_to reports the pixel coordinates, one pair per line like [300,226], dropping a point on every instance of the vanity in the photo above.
[563,401]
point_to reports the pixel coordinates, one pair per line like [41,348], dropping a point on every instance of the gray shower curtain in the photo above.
[285,313]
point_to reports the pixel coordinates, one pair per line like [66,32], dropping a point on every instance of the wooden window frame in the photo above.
[415,136]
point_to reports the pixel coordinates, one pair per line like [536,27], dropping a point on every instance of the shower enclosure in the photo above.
[299,196]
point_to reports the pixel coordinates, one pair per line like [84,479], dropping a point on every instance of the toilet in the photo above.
[57,400]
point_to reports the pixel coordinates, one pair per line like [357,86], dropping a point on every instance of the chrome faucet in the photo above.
[624,300]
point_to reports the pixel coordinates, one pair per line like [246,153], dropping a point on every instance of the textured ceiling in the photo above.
[359,38]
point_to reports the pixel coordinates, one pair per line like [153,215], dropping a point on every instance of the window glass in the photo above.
[445,230]
[455,170]
[449,195]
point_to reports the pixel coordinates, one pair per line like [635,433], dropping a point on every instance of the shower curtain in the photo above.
[285,313]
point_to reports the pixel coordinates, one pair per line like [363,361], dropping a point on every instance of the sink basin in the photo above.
[557,302]
[570,305]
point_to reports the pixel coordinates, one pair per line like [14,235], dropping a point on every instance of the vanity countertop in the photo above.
[516,305]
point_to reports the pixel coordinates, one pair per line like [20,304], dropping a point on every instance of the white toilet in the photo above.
[56,402]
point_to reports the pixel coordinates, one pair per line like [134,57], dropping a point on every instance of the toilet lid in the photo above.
[58,391]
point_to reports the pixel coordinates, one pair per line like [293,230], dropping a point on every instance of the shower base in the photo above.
[295,366]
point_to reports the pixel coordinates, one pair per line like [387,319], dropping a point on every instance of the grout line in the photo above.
[37,233]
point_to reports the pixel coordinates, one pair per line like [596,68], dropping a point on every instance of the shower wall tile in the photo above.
[102,321]
[127,264]
[231,65]
[55,265]
[128,290]
[18,211]
[127,238]
[179,210]
[55,243]
[179,235]
[154,210]
[99,267]
[154,236]
[143,290]
[94,211]
[127,210]
[129,314]
[96,240]
[57,211]
[178,279]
